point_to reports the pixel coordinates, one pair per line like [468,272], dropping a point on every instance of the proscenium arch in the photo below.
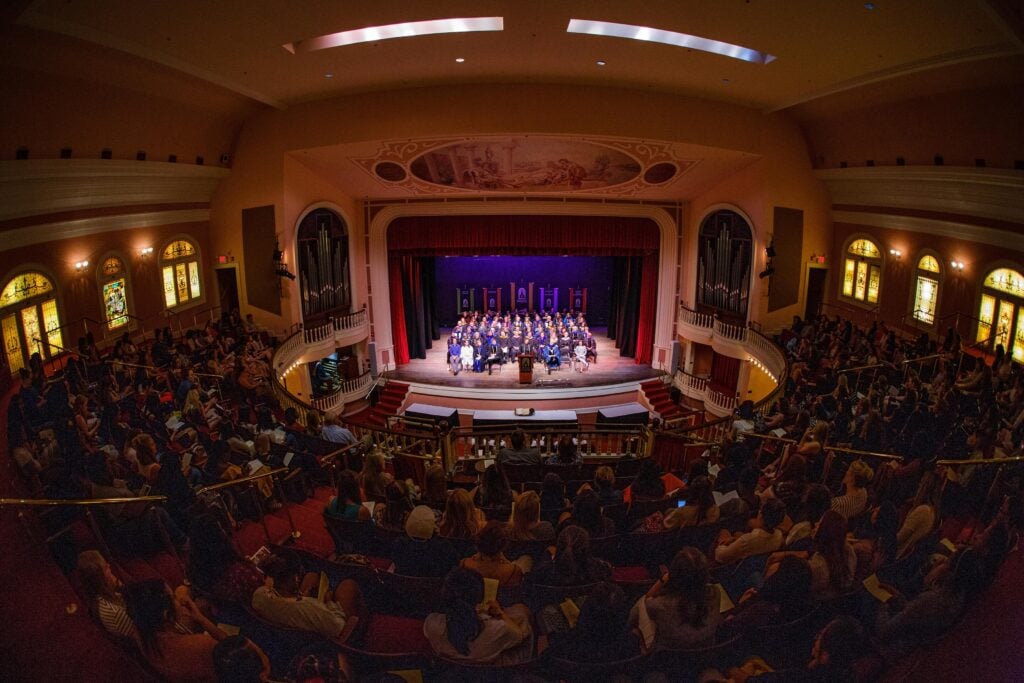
[757,258]
[293,250]
[668,257]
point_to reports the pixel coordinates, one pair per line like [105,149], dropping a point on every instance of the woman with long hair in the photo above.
[461,518]
[834,561]
[348,503]
[176,655]
[373,479]
[459,632]
[490,560]
[683,605]
[435,488]
[572,565]
[700,506]
[494,490]
[648,484]
[586,514]
[526,521]
[396,508]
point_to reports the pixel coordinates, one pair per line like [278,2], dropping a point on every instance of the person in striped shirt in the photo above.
[855,498]
[102,590]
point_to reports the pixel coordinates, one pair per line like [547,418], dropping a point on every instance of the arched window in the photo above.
[1001,312]
[723,263]
[926,290]
[29,319]
[112,278]
[862,271]
[179,266]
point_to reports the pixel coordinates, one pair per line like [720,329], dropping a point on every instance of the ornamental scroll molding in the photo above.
[623,167]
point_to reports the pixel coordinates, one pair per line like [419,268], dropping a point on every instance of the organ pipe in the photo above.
[324,269]
[723,269]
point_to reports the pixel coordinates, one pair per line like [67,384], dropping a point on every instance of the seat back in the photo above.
[518,474]
[592,672]
[688,664]
[413,596]
[351,536]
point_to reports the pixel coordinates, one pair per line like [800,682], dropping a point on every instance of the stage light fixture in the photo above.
[769,251]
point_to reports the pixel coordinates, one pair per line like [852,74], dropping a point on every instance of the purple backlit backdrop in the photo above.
[593,272]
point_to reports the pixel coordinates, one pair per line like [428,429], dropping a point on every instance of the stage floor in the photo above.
[611,368]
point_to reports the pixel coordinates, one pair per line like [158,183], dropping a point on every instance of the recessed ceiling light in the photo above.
[328,75]
[869,5]
[657,35]
[725,80]
[601,62]
[460,60]
[403,30]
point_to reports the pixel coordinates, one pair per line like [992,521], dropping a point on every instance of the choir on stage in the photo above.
[479,341]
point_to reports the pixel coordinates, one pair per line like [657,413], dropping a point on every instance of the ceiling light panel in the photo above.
[657,35]
[405,30]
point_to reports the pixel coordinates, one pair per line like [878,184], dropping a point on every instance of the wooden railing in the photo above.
[696,318]
[344,393]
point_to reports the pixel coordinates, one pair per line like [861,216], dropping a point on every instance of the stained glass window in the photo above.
[12,343]
[169,298]
[874,279]
[178,249]
[1003,324]
[193,279]
[861,283]
[925,298]
[1018,343]
[112,266]
[985,314]
[864,248]
[51,321]
[182,279]
[24,286]
[33,335]
[929,263]
[1006,280]
[851,266]
[115,303]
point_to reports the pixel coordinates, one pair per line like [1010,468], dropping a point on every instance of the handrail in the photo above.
[982,461]
[77,502]
[240,481]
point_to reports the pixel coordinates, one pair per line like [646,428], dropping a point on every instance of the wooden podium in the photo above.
[526,368]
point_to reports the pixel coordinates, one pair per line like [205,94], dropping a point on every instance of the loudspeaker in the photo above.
[980,163]
[900,161]
[200,161]
[870,162]
[106,154]
[21,153]
[224,159]
[371,349]
[172,158]
[676,350]
[65,153]
[939,161]
[140,156]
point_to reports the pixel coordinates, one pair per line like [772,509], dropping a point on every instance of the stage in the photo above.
[610,369]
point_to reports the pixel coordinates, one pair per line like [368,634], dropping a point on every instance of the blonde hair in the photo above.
[526,515]
[861,472]
[460,518]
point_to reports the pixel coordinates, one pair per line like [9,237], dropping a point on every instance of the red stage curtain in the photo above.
[725,373]
[522,235]
[398,312]
[648,306]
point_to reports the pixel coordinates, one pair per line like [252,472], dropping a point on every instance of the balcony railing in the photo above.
[334,324]
[688,316]
[350,389]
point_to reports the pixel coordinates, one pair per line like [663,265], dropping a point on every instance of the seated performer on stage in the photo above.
[493,355]
[466,355]
[454,355]
[552,356]
[478,351]
[591,344]
[580,356]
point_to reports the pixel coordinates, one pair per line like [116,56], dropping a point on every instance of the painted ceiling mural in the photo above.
[521,164]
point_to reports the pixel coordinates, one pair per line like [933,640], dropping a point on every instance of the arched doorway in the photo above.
[1001,312]
[322,249]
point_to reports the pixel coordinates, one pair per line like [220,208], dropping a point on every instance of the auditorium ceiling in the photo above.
[817,48]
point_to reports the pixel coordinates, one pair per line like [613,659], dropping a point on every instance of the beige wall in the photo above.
[263,173]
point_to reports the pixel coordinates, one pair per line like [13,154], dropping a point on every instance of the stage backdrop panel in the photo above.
[258,239]
[593,272]
[788,227]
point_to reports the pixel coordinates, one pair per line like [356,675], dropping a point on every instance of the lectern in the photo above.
[526,368]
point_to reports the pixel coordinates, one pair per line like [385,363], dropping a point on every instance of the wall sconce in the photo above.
[145,251]
[81,265]
[957,265]
[896,254]
[280,267]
